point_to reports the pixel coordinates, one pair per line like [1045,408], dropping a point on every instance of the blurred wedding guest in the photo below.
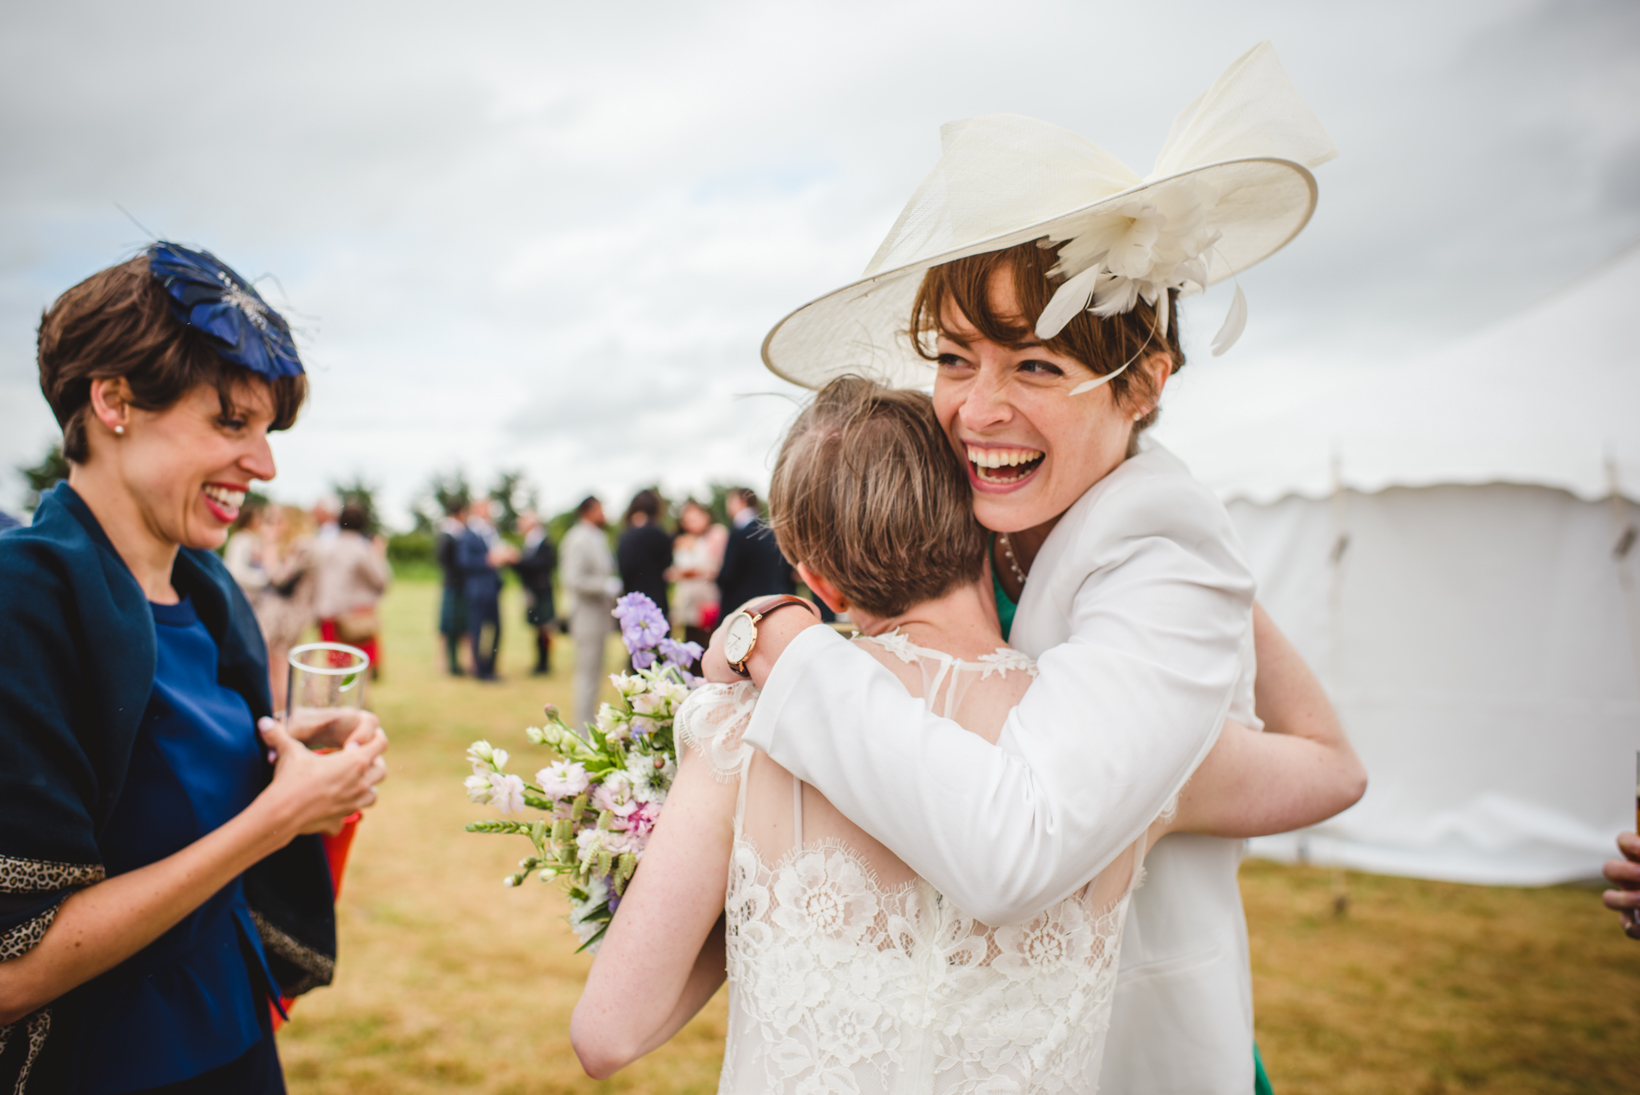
[452,612]
[352,576]
[285,608]
[325,514]
[591,586]
[752,563]
[480,553]
[243,553]
[1625,875]
[696,554]
[162,884]
[644,551]
[535,566]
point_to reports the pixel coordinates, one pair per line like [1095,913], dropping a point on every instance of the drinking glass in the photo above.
[325,676]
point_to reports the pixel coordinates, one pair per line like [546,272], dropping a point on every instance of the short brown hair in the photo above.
[1103,345]
[868,493]
[118,323]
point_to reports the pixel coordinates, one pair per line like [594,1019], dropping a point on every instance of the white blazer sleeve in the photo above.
[1158,599]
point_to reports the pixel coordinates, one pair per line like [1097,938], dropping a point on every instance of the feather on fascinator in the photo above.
[209,295]
[1231,187]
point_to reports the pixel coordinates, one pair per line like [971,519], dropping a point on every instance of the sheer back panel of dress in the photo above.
[847,972]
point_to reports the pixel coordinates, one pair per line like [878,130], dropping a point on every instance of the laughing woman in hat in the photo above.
[161,883]
[1033,281]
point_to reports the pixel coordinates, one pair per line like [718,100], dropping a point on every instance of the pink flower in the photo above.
[641,822]
[615,795]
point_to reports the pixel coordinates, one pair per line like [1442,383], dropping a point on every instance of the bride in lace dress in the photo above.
[847,972]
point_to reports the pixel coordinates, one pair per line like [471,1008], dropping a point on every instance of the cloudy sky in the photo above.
[552,236]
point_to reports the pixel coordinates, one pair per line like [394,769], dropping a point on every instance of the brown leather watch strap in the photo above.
[758,612]
[778,602]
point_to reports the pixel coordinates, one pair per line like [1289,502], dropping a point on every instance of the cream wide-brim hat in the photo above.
[1234,172]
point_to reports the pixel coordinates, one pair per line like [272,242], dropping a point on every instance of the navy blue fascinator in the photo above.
[206,293]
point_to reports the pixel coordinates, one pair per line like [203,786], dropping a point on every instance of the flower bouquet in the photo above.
[602,796]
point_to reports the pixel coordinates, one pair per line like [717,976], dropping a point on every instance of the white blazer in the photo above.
[1139,613]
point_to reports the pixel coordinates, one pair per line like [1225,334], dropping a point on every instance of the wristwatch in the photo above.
[740,638]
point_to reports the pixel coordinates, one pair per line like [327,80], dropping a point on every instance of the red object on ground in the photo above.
[336,849]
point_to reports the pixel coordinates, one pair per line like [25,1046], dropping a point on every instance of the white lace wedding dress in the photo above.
[849,974]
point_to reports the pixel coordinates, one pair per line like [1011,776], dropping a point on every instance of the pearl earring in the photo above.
[120,430]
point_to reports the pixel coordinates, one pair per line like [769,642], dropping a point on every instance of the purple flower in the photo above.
[642,623]
[641,658]
[682,655]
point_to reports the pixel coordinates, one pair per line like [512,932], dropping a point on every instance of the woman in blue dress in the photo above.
[162,881]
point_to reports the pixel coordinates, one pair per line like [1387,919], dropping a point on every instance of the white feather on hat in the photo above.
[1231,187]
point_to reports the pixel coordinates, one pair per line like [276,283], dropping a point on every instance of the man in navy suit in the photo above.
[479,552]
[752,563]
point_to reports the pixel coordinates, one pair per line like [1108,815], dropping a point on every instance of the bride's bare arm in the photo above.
[663,955]
[1300,771]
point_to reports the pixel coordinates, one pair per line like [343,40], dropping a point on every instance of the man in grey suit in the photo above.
[588,571]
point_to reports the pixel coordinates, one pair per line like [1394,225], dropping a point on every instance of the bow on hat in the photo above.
[1231,186]
[208,294]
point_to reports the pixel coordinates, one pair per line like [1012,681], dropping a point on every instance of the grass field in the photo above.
[448,982]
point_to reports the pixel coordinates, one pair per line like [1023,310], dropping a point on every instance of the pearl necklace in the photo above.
[1013,564]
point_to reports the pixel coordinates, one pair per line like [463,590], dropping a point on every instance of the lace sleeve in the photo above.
[1007,660]
[712,721]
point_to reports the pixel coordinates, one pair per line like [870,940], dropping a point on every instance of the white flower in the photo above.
[628,684]
[478,787]
[498,757]
[563,779]
[612,723]
[649,703]
[480,752]
[1132,250]
[506,792]
[1139,250]
[649,782]
[615,794]
[673,692]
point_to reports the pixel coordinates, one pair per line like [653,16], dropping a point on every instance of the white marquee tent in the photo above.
[1447,539]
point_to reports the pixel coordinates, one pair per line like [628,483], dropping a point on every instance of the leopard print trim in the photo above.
[38,1027]
[35,875]
[319,970]
[25,936]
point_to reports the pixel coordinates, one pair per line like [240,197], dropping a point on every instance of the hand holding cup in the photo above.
[314,792]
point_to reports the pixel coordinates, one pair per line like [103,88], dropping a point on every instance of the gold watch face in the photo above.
[737,642]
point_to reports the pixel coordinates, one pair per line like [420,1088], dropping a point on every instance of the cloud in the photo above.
[551,237]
